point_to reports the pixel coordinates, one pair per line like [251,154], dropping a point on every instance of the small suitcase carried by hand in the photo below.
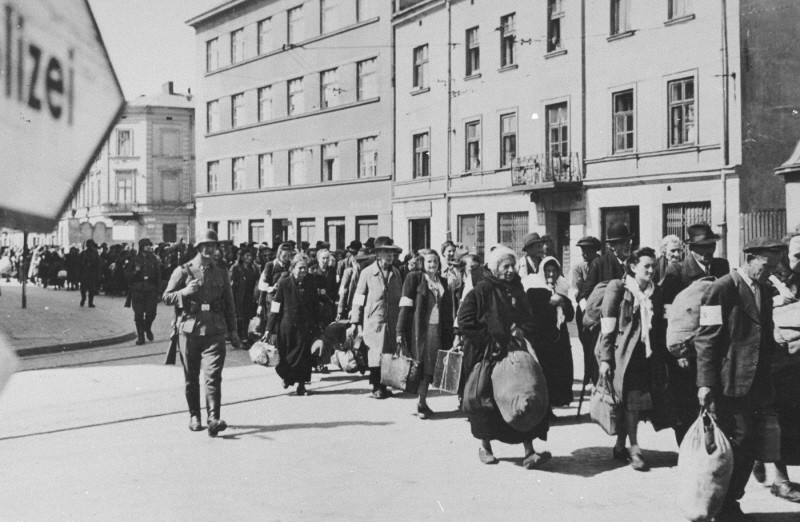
[447,373]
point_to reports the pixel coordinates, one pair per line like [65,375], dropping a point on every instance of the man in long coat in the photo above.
[272,273]
[735,346]
[144,284]
[378,294]
[90,266]
[699,263]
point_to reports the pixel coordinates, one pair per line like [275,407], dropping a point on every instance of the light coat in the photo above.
[377,304]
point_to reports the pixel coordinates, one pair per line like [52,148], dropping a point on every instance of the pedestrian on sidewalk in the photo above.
[293,323]
[89,262]
[244,280]
[144,286]
[490,315]
[632,345]
[425,323]
[202,290]
[590,248]
[378,295]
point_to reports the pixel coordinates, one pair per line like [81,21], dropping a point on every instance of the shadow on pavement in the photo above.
[343,391]
[773,517]
[347,377]
[588,462]
[444,415]
[260,430]
[570,420]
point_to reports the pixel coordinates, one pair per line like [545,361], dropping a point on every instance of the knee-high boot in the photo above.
[139,332]
[215,425]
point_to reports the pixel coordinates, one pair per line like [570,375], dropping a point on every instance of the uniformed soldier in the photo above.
[144,284]
[203,291]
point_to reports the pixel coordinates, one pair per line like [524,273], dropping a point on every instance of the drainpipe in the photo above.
[449,115]
[394,123]
[583,106]
[725,130]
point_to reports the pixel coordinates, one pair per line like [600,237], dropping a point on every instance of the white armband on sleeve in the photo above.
[406,301]
[275,307]
[359,300]
[608,325]
[263,286]
[710,315]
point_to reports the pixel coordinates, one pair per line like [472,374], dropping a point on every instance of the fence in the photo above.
[769,223]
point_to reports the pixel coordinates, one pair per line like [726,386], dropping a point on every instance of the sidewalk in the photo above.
[53,320]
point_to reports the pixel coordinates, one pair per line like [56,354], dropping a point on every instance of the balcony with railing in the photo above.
[547,172]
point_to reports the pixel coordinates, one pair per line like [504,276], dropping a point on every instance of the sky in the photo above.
[149,42]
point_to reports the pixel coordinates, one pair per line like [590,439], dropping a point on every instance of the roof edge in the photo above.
[214,11]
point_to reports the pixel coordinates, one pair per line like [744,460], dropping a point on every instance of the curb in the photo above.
[69,347]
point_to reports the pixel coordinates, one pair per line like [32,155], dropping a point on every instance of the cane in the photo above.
[586,379]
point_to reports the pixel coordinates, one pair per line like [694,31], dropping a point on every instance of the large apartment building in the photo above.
[142,182]
[294,134]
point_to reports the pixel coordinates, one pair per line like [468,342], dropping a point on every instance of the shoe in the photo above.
[637,462]
[730,513]
[215,426]
[194,423]
[759,472]
[424,412]
[621,454]
[785,491]
[535,460]
[139,341]
[91,305]
[301,390]
[386,391]
[486,457]
[323,369]
[83,302]
[379,394]
[286,384]
[149,334]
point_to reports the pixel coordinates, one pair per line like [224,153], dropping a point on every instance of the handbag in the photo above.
[447,372]
[605,408]
[400,371]
[345,360]
[264,354]
[478,393]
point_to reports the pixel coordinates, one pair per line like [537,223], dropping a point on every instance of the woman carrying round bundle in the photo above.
[293,323]
[632,346]
[425,323]
[495,314]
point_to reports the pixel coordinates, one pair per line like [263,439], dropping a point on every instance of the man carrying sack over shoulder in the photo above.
[203,291]
[735,346]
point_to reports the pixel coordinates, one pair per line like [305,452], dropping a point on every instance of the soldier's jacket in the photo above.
[210,311]
[144,273]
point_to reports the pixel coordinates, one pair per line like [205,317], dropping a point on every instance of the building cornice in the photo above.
[216,11]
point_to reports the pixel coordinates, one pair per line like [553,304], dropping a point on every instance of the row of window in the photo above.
[511,228]
[331,19]
[284,229]
[90,192]
[298,161]
[620,14]
[681,117]
[166,143]
[329,96]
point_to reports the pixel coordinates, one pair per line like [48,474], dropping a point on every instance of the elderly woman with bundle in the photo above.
[494,318]
[632,346]
[425,324]
[293,323]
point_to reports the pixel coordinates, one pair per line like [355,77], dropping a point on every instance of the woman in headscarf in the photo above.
[632,346]
[494,318]
[547,294]
[293,323]
[425,324]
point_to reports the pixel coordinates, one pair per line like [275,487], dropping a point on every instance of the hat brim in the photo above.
[706,241]
[620,238]
[391,248]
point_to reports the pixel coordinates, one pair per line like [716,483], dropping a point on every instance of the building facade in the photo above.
[142,183]
[294,134]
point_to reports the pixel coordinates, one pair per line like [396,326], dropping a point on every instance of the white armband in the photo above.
[608,325]
[359,300]
[263,286]
[406,301]
[275,307]
[710,315]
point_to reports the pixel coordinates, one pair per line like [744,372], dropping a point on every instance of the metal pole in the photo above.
[25,267]
[449,115]
[725,130]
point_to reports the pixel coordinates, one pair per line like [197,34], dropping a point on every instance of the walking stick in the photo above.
[586,379]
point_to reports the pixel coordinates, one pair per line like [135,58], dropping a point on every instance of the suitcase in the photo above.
[447,373]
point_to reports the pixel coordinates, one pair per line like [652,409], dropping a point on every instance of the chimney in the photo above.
[167,88]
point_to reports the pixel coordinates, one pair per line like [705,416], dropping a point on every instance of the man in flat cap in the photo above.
[610,265]
[144,287]
[533,246]
[590,250]
[272,273]
[735,346]
[202,290]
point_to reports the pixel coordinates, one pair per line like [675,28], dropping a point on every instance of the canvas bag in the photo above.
[705,465]
[478,395]
[447,373]
[683,318]
[264,354]
[520,388]
[605,409]
[591,316]
[400,371]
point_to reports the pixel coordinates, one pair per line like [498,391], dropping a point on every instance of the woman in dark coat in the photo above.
[293,323]
[244,278]
[425,324]
[632,346]
[552,310]
[490,314]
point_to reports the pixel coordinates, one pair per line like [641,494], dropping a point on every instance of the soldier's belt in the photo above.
[214,306]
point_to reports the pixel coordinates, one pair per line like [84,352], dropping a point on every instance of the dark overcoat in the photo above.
[604,268]
[678,276]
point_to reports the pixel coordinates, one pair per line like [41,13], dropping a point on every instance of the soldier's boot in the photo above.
[215,425]
[139,333]
[195,424]
[147,331]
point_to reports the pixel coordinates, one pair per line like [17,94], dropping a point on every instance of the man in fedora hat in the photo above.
[378,294]
[699,263]
[144,285]
[351,250]
[590,250]
[202,290]
[610,265]
[735,345]
[533,246]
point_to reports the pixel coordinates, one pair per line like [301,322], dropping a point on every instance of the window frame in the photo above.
[364,166]
[121,149]
[212,54]
[619,11]
[306,224]
[480,231]
[360,11]
[234,231]
[266,177]
[291,97]
[261,44]
[261,99]
[472,51]
[237,45]
[237,173]
[295,26]
[329,6]
[506,163]
[422,155]
[329,90]
[125,180]
[212,109]
[212,174]
[366,81]
[684,104]
[237,110]
[297,157]
[469,141]
[616,132]
[369,222]
[508,36]
[555,12]
[509,221]
[678,9]
[420,67]
[330,172]
[564,129]
[251,227]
